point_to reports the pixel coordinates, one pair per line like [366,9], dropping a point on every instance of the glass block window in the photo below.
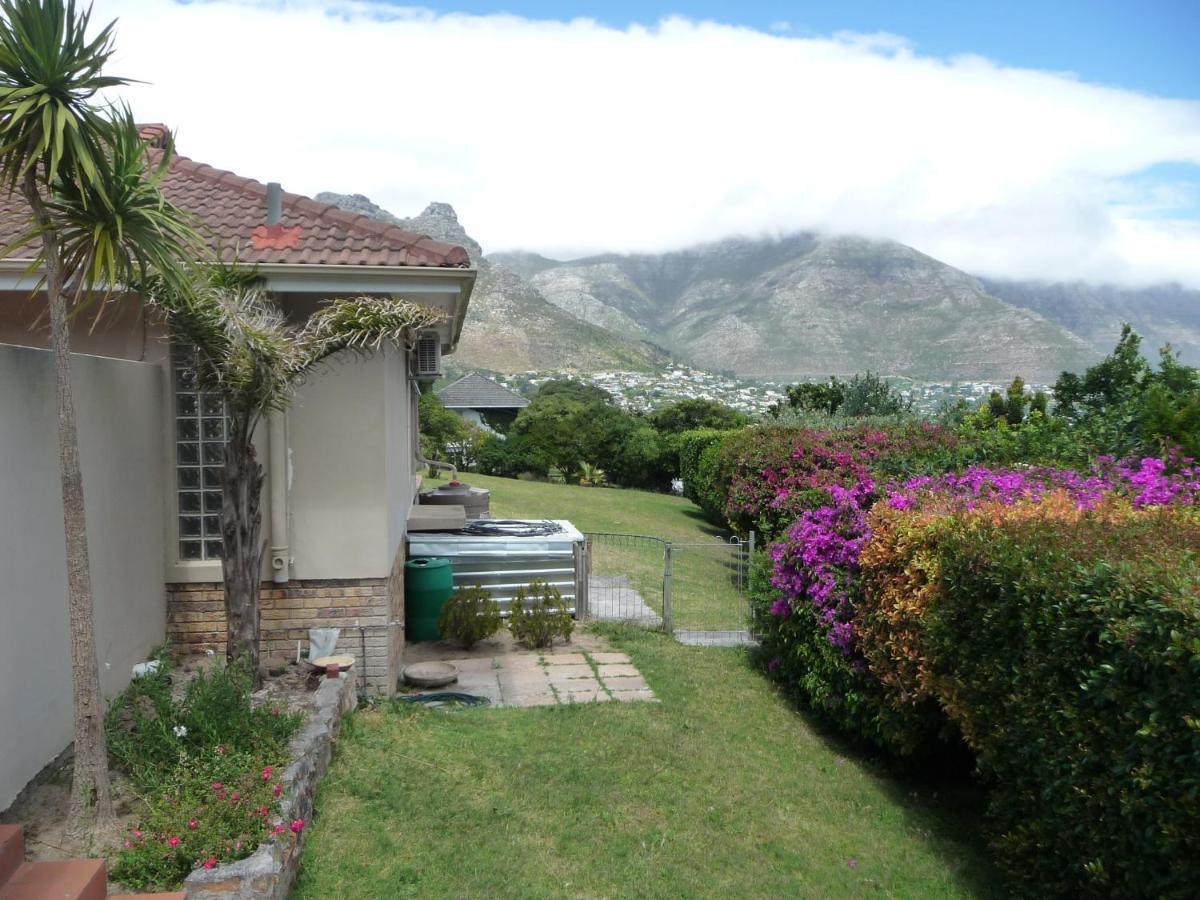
[201,429]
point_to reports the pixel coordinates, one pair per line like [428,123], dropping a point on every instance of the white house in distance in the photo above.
[340,472]
[482,401]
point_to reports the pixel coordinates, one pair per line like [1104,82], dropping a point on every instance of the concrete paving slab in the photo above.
[575,684]
[626,684]
[521,700]
[605,658]
[619,670]
[565,659]
[584,697]
[578,671]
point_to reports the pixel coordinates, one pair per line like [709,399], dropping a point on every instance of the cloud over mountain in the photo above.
[573,138]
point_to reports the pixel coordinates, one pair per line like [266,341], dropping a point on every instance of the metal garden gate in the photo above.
[696,591]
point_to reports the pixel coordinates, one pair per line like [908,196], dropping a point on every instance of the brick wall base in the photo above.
[361,607]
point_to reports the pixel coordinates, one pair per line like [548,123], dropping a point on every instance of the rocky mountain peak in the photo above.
[438,220]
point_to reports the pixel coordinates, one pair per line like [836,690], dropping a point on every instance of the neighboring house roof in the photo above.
[232,213]
[476,392]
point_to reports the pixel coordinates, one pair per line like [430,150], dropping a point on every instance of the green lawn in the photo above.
[720,790]
[705,574]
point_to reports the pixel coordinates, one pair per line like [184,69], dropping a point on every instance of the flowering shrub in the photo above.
[1063,639]
[206,768]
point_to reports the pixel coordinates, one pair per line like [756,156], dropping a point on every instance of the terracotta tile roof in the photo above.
[232,213]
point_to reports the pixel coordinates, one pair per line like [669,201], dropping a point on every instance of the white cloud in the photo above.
[570,138]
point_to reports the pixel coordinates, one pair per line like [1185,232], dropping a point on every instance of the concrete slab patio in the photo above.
[587,670]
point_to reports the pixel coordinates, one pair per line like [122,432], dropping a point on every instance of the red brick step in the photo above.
[68,879]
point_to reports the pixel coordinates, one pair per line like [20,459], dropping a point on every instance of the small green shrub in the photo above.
[539,615]
[470,616]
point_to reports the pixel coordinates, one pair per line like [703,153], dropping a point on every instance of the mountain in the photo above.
[1165,314]
[809,305]
[438,220]
[510,326]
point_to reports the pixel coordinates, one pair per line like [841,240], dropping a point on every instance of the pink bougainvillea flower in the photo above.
[210,862]
[279,829]
[297,826]
[266,774]
[278,789]
[173,841]
[192,823]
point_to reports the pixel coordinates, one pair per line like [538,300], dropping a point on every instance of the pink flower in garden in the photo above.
[220,748]
[235,798]
[136,833]
[263,811]
[297,826]
[173,841]
[278,790]
[192,823]
[216,785]
[128,844]
[852,863]
[237,846]
[266,774]
[279,829]
[274,710]
[210,862]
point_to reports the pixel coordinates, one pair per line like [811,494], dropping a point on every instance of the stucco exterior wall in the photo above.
[118,406]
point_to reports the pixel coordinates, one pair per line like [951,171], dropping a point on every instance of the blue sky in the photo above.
[1146,45]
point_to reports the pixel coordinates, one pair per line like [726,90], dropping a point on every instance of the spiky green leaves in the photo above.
[50,73]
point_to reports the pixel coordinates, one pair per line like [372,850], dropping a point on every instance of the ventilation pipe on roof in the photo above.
[277,449]
[274,203]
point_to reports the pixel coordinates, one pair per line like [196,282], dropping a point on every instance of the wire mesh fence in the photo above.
[695,591]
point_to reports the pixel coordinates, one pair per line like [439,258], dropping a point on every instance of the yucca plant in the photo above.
[96,221]
[248,354]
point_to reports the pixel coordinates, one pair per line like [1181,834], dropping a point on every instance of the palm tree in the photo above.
[248,354]
[98,221]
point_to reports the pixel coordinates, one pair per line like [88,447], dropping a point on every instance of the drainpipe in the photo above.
[277,448]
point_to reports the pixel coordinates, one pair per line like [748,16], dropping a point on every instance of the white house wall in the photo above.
[339,498]
[118,405]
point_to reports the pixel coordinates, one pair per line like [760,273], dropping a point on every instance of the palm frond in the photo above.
[362,324]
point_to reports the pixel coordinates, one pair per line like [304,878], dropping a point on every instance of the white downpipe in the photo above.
[277,481]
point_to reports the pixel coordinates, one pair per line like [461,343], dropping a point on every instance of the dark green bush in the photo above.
[470,616]
[1069,654]
[699,451]
[539,615]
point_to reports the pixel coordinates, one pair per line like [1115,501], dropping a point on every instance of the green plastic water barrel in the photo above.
[428,584]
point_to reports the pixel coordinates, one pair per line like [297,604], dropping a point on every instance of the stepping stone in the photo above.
[558,673]
[619,670]
[575,684]
[604,658]
[565,659]
[626,684]
[474,664]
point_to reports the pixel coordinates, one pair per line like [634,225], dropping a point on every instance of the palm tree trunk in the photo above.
[90,783]
[243,546]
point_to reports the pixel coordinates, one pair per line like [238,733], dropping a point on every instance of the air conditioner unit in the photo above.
[428,356]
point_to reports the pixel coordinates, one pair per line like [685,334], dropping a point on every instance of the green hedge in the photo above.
[1066,646]
[699,467]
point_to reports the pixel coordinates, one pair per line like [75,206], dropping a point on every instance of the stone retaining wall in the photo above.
[271,871]
[362,608]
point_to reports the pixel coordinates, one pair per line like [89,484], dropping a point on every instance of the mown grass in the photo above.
[705,594]
[720,790]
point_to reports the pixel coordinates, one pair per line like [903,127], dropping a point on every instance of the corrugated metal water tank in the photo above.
[501,563]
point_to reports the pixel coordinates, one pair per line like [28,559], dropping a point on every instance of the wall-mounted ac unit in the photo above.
[427,357]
